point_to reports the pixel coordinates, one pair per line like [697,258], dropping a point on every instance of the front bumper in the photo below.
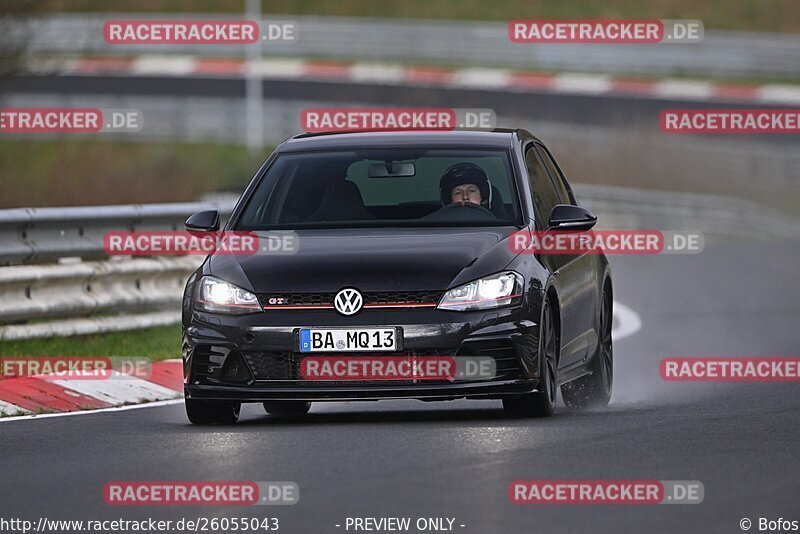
[252,358]
[349,392]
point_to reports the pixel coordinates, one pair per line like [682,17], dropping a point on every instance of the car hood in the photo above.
[371,260]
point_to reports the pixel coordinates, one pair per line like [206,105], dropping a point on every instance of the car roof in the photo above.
[500,137]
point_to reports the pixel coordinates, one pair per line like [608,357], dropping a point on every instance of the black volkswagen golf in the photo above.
[403,282]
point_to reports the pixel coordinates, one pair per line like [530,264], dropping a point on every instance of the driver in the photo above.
[465,182]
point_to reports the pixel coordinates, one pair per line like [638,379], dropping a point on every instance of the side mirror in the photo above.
[567,217]
[204,221]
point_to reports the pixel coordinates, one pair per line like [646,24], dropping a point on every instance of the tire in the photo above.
[202,412]
[541,403]
[287,408]
[594,390]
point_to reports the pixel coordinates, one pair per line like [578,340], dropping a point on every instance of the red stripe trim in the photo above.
[413,74]
[745,92]
[34,394]
[301,307]
[167,374]
[643,87]
[103,64]
[220,66]
[329,307]
[428,75]
[532,80]
[402,305]
[324,69]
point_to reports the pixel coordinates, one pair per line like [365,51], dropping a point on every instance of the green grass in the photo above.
[69,172]
[155,343]
[752,15]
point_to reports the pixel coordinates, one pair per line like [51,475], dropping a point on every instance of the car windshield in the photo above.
[384,187]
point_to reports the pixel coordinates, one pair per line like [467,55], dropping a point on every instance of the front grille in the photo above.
[402,297]
[271,365]
[216,365]
[372,299]
[285,366]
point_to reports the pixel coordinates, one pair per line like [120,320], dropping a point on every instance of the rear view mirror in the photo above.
[390,169]
[203,221]
[567,217]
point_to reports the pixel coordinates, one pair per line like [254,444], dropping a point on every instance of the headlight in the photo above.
[494,291]
[215,295]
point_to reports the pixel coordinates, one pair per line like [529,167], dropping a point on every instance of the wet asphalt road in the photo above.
[456,459]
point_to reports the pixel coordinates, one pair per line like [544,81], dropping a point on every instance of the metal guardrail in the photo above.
[147,291]
[717,218]
[81,288]
[40,234]
[126,293]
[723,53]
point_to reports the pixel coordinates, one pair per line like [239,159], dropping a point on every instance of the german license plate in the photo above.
[348,339]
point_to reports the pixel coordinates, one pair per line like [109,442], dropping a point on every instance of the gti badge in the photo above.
[348,301]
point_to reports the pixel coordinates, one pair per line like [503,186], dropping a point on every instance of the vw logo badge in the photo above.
[348,301]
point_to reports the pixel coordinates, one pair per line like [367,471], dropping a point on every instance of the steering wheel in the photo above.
[469,205]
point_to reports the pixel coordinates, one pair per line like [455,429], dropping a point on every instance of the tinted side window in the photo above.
[544,194]
[555,172]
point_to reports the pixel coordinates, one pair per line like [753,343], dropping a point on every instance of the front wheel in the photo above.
[202,412]
[594,390]
[541,403]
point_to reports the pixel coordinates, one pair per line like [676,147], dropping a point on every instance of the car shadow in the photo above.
[490,415]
